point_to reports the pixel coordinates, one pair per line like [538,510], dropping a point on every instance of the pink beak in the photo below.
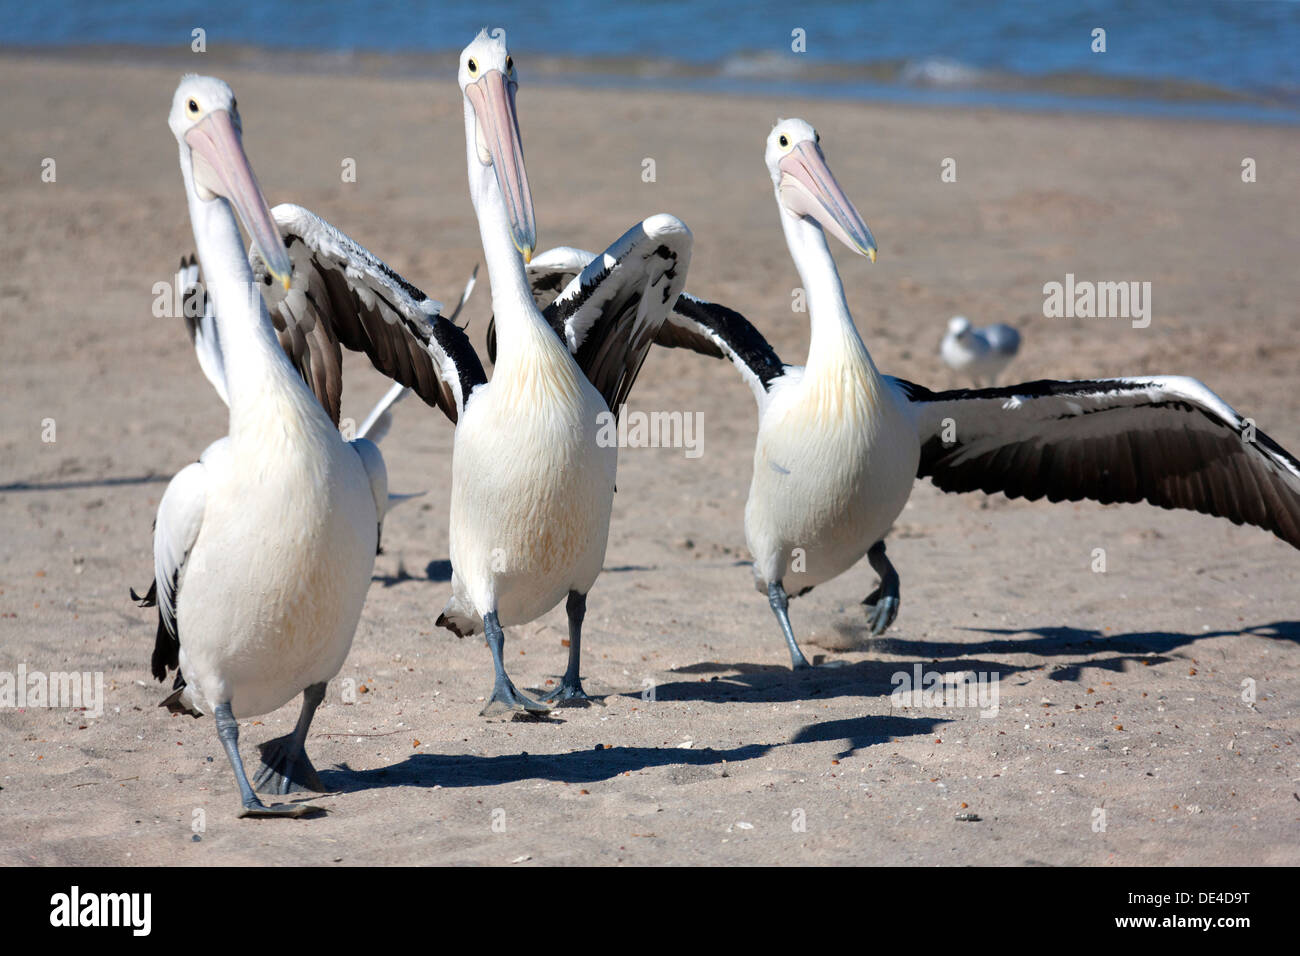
[221,167]
[493,99]
[809,189]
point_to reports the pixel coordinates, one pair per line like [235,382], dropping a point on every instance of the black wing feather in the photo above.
[1167,441]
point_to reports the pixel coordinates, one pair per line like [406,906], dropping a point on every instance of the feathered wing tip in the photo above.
[457,619]
[173,701]
[165,655]
[464,297]
[1166,440]
[150,598]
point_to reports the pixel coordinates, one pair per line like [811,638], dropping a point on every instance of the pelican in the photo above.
[839,444]
[532,486]
[982,354]
[263,549]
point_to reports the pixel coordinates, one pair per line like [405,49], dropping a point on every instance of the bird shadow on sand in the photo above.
[78,484]
[590,766]
[579,766]
[863,732]
[1133,649]
[437,572]
[773,683]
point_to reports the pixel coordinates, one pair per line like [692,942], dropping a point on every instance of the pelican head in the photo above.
[205,121]
[487,79]
[958,326]
[805,187]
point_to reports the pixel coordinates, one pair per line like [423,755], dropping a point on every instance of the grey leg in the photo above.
[285,765]
[505,697]
[780,603]
[882,603]
[570,688]
[228,732]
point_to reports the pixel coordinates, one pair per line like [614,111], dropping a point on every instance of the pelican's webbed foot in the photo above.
[570,690]
[228,732]
[285,766]
[505,696]
[568,693]
[882,604]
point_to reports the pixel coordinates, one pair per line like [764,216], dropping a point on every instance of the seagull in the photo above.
[980,353]
[840,445]
[264,548]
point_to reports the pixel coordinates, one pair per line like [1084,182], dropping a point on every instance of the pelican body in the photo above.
[837,448]
[834,463]
[532,489]
[264,548]
[839,445]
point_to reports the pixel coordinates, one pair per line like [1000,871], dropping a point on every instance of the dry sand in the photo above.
[1120,691]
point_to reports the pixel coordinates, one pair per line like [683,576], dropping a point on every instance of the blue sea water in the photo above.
[1232,58]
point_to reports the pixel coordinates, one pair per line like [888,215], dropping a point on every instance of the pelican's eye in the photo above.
[784,141]
[193,107]
[472,66]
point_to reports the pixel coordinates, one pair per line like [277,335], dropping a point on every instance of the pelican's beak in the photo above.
[808,189]
[221,168]
[499,144]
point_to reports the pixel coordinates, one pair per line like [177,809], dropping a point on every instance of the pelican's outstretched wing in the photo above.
[610,307]
[715,330]
[341,294]
[1167,440]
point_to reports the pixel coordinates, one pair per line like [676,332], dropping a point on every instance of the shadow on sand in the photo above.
[580,766]
[1135,648]
[589,766]
[772,683]
[83,483]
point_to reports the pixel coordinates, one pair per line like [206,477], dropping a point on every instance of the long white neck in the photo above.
[834,338]
[519,323]
[254,361]
[833,333]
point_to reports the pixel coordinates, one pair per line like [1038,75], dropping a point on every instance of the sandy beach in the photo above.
[1146,713]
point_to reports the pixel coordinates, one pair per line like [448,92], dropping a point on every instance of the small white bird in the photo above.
[980,353]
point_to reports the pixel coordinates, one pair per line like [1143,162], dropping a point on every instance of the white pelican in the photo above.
[263,549]
[981,353]
[532,487]
[839,445]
